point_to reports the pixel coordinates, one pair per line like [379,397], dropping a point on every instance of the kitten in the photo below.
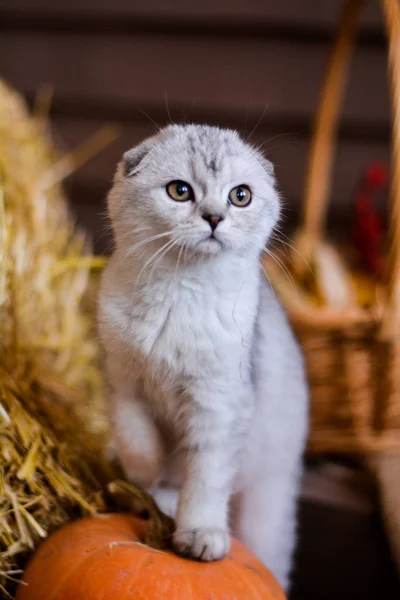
[209,400]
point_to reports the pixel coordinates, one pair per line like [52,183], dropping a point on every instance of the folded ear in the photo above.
[133,157]
[268,166]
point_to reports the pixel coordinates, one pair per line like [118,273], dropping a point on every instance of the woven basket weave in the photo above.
[352,355]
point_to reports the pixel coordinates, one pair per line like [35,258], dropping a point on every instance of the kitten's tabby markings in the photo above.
[209,402]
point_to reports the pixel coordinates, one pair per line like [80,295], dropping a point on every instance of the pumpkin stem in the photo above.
[129,497]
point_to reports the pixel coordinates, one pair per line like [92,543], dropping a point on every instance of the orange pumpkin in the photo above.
[103,557]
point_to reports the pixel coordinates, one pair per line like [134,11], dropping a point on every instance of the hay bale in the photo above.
[52,426]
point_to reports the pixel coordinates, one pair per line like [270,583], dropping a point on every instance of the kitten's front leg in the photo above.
[137,439]
[202,522]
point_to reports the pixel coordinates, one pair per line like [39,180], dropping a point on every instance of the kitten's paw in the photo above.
[205,544]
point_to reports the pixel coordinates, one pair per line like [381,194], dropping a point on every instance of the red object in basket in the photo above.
[368,228]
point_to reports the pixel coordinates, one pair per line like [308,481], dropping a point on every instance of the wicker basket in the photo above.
[352,355]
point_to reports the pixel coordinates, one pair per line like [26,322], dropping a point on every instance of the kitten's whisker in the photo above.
[254,255]
[268,279]
[133,232]
[185,254]
[137,229]
[258,123]
[179,258]
[246,117]
[276,137]
[277,259]
[144,113]
[147,240]
[278,231]
[280,241]
[147,263]
[167,248]
[167,107]
[152,238]
[106,233]
[183,229]
[167,245]
[282,266]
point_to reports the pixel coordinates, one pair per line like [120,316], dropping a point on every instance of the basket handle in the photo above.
[321,157]
[391,318]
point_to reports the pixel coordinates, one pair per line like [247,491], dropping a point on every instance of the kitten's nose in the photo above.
[213,219]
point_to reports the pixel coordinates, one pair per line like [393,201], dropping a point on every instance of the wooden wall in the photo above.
[217,61]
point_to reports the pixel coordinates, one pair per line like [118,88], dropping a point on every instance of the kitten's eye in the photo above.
[240,196]
[180,191]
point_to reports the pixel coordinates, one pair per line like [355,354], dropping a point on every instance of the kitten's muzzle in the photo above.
[213,220]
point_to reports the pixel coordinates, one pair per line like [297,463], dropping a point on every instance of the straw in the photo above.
[52,422]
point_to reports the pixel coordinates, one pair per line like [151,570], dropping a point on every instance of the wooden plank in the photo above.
[300,13]
[88,187]
[288,152]
[124,72]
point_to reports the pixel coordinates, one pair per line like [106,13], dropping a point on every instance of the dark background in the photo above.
[255,65]
[218,61]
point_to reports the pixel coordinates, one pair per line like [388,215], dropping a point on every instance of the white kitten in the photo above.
[209,400]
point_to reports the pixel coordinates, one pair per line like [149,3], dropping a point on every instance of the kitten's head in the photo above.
[197,187]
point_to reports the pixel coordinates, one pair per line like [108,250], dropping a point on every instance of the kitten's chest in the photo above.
[192,327]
